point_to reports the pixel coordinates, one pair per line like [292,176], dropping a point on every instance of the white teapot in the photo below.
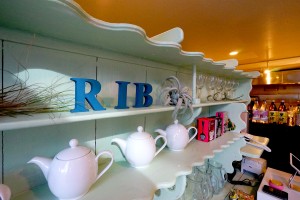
[73,171]
[140,148]
[5,192]
[177,136]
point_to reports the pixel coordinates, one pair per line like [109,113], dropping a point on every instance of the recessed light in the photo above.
[233,53]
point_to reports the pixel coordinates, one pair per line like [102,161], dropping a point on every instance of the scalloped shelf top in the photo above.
[66,20]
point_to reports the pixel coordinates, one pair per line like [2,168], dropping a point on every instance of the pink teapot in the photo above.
[140,148]
[177,136]
[72,171]
[5,192]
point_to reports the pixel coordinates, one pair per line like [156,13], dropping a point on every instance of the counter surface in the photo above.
[284,178]
[283,141]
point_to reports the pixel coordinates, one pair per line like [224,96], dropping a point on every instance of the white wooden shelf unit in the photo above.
[43,19]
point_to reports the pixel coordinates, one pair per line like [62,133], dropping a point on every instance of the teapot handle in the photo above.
[165,143]
[196,131]
[109,164]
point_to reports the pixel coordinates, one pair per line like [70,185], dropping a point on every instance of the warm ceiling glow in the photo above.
[268,77]
[233,53]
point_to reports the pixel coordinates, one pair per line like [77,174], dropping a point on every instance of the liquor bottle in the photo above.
[264,112]
[291,114]
[282,113]
[273,113]
[250,109]
[298,115]
[255,110]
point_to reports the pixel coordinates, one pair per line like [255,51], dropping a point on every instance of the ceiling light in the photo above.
[268,77]
[233,53]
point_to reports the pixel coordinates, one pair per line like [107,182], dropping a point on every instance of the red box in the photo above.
[206,129]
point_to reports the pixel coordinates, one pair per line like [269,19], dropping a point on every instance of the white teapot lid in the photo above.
[140,134]
[73,152]
[176,126]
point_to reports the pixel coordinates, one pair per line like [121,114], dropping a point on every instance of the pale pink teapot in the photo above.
[140,148]
[177,136]
[72,171]
[5,192]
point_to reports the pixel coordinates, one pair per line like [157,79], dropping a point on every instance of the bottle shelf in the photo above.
[122,181]
[45,119]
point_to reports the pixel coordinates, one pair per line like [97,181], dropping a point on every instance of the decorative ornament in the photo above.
[175,95]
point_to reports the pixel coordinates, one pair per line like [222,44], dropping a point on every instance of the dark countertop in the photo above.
[283,141]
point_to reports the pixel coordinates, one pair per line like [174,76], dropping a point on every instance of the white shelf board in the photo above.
[122,181]
[216,103]
[45,119]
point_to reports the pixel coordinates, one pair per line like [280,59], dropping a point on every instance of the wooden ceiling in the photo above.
[260,30]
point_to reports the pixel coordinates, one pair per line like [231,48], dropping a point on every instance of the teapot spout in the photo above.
[43,163]
[161,132]
[121,143]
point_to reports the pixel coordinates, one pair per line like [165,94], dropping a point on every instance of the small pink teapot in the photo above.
[177,136]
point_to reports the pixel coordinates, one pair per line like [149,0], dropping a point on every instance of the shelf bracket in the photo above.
[228,155]
[174,192]
[173,35]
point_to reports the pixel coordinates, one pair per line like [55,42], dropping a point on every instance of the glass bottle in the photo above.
[282,113]
[250,109]
[273,113]
[291,113]
[255,110]
[264,112]
[298,115]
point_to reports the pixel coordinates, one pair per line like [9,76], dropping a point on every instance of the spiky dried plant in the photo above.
[20,98]
[174,94]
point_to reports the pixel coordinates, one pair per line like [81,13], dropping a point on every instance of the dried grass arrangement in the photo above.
[22,99]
